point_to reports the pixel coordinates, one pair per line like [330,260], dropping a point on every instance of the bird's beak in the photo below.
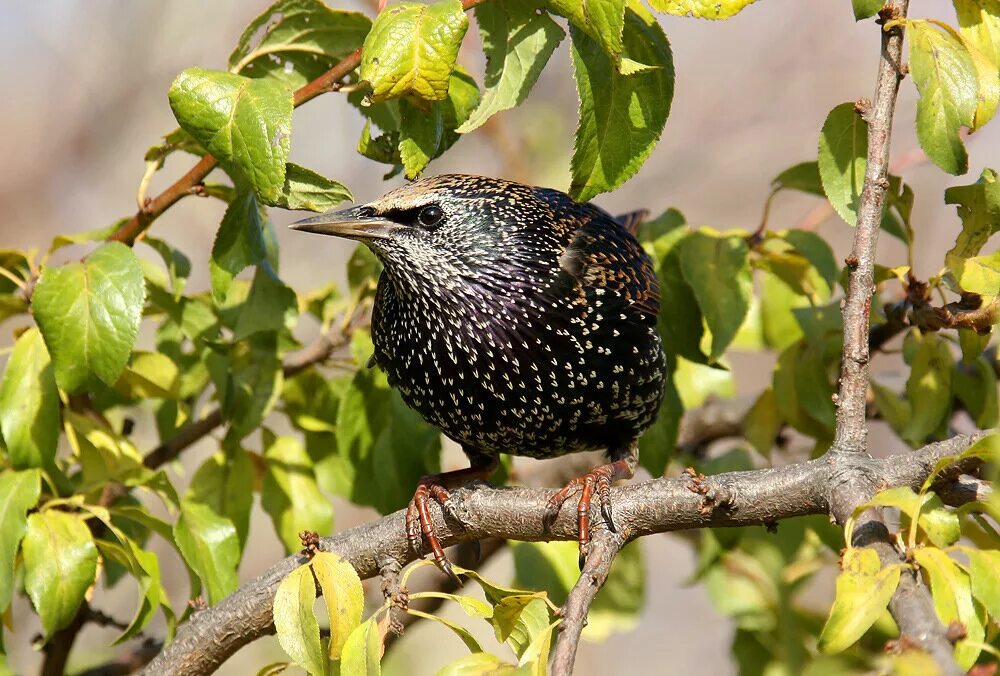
[350,223]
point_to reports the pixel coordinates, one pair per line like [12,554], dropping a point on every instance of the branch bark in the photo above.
[734,499]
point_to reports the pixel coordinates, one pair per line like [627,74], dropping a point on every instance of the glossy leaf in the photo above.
[604,21]
[803,177]
[60,561]
[295,620]
[979,24]
[411,50]
[305,189]
[843,147]
[945,76]
[89,314]
[518,42]
[224,483]
[717,268]
[702,9]
[19,492]
[952,593]
[271,305]
[295,41]
[290,493]
[863,592]
[621,116]
[864,9]
[246,124]
[211,547]
[239,243]
[420,135]
[29,404]
[248,382]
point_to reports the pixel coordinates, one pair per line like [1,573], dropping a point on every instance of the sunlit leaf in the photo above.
[290,493]
[863,592]
[295,621]
[29,404]
[19,492]
[210,546]
[702,9]
[952,593]
[843,147]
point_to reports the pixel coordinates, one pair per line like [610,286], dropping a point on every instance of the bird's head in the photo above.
[449,229]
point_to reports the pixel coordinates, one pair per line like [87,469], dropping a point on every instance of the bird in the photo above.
[515,320]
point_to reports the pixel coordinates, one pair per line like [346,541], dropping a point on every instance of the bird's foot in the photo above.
[599,481]
[418,518]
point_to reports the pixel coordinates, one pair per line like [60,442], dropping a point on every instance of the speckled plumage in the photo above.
[523,323]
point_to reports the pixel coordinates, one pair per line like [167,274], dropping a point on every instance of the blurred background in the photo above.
[84,94]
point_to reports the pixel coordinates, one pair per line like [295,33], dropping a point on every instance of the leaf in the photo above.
[151,375]
[223,483]
[211,547]
[467,638]
[979,274]
[843,147]
[975,385]
[60,562]
[290,493]
[19,492]
[239,243]
[29,404]
[701,9]
[978,205]
[945,76]
[296,41]
[477,664]
[863,592]
[246,124]
[518,42]
[343,595]
[89,314]
[762,423]
[621,117]
[271,305]
[362,654]
[928,388]
[983,567]
[803,177]
[248,382]
[305,189]
[420,135]
[979,24]
[717,268]
[681,322]
[295,621]
[952,593]
[412,48]
[658,442]
[603,21]
[864,9]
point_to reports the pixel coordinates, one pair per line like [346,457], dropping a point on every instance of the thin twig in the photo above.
[604,547]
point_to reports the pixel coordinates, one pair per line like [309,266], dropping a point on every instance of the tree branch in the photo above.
[604,547]
[852,433]
[514,513]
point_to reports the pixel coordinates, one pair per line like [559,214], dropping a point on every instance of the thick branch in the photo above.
[733,499]
[852,433]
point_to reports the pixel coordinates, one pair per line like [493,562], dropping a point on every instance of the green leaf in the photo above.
[951,590]
[467,638]
[420,135]
[89,314]
[477,664]
[717,268]
[29,404]
[271,305]
[979,24]
[296,41]
[223,483]
[762,423]
[239,242]
[979,274]
[290,493]
[975,385]
[863,592]
[701,9]
[864,9]
[151,375]
[19,492]
[983,567]
[978,205]
[803,177]
[843,148]
[248,382]
[518,42]
[295,621]
[604,21]
[305,189]
[60,561]
[343,595]
[928,388]
[657,443]
[246,124]
[621,116]
[412,48]
[945,75]
[362,654]
[681,323]
[211,547]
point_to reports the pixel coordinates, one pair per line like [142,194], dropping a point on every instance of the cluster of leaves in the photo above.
[77,378]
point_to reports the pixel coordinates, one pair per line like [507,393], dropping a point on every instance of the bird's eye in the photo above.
[430,216]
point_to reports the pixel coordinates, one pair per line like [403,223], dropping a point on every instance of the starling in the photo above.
[515,320]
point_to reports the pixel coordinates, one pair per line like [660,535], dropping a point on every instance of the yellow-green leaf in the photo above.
[343,595]
[979,26]
[863,592]
[843,148]
[29,404]
[295,622]
[701,9]
[412,48]
[362,654]
[477,664]
[951,589]
[209,544]
[290,493]
[983,567]
[928,388]
[19,492]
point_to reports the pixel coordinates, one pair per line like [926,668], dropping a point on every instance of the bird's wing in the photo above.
[633,219]
[603,255]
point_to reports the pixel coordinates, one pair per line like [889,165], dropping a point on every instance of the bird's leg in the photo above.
[598,479]
[435,487]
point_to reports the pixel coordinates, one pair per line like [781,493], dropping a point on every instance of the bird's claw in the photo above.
[418,522]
